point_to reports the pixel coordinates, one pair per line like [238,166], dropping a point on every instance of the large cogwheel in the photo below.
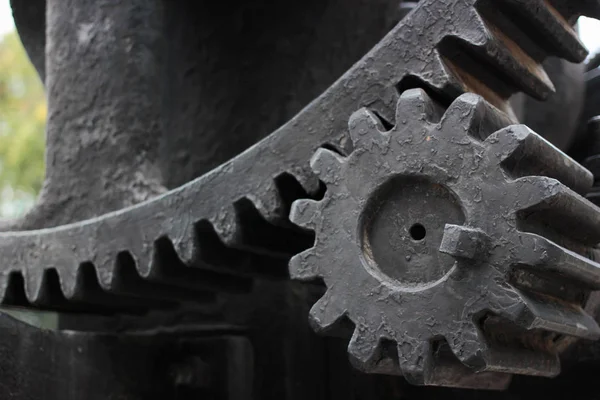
[451,233]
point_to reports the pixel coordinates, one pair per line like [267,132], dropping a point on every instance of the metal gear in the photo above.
[229,221]
[441,236]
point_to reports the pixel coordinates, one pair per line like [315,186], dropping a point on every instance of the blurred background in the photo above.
[22,121]
[23,116]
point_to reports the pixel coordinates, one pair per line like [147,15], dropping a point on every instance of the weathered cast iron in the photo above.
[430,236]
[114,232]
[186,222]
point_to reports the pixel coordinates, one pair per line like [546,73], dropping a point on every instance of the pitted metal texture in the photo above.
[215,232]
[452,233]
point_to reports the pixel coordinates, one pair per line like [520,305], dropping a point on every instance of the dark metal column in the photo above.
[103,82]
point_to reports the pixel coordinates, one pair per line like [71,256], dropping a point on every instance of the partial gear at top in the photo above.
[451,234]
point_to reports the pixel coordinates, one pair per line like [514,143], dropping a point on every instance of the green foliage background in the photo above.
[22,142]
[22,122]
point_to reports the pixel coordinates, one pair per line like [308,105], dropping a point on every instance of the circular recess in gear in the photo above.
[390,218]
[402,227]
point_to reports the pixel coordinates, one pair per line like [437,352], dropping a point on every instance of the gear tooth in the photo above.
[226,226]
[550,314]
[474,115]
[541,254]
[415,361]
[523,152]
[144,259]
[518,67]
[105,264]
[325,314]
[70,287]
[469,346]
[364,126]
[127,281]
[504,143]
[498,352]
[88,292]
[483,40]
[327,165]
[364,349]
[269,204]
[466,111]
[535,191]
[303,267]
[184,243]
[304,212]
[541,16]
[510,360]
[415,105]
[33,282]
[538,190]
[307,180]
[167,268]
[539,197]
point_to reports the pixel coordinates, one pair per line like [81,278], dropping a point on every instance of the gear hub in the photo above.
[451,244]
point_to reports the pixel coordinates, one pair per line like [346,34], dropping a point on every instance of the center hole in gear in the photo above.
[401,229]
[417,232]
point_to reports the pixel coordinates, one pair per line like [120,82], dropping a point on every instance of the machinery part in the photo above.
[51,365]
[234,218]
[439,237]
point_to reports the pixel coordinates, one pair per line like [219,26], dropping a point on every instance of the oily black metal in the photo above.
[204,363]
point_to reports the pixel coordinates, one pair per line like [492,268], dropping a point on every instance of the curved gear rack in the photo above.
[130,258]
[430,233]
